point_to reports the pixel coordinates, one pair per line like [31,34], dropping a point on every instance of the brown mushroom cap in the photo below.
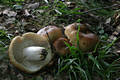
[74,27]
[29,52]
[60,46]
[87,40]
[53,32]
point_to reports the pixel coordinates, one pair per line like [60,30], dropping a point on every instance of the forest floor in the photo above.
[102,18]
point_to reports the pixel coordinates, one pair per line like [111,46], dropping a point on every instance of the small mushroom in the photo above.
[87,40]
[53,33]
[30,52]
[60,46]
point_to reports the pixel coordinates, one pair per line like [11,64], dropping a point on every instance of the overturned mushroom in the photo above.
[60,46]
[53,32]
[87,40]
[30,52]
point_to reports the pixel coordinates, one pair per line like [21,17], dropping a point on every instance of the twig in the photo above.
[101,8]
[51,45]
[63,30]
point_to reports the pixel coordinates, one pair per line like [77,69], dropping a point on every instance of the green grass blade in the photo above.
[95,61]
[83,73]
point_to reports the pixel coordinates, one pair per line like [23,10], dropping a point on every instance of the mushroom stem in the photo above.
[34,53]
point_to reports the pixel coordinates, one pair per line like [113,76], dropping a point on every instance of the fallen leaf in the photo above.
[9,13]
[33,6]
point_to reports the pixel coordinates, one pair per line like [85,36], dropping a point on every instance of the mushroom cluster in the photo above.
[55,35]
[32,51]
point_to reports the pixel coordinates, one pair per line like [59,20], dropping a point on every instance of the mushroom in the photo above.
[30,52]
[53,32]
[87,40]
[60,46]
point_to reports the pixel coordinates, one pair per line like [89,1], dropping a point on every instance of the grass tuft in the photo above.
[89,66]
